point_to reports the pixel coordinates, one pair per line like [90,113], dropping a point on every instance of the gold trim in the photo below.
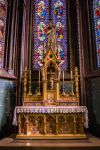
[48,136]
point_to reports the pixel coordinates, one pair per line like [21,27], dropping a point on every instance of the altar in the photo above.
[51,112]
[61,122]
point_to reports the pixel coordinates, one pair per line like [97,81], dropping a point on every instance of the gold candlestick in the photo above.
[76,82]
[25,82]
[72,88]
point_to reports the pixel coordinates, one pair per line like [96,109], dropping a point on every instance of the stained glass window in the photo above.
[58,12]
[3,6]
[46,10]
[96,7]
[41,20]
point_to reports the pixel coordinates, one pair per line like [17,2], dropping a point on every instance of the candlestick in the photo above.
[25,82]
[76,82]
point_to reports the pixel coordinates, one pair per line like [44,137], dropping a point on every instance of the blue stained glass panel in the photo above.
[97,29]
[40,24]
[41,9]
[98,53]
[58,14]
[96,9]
[58,9]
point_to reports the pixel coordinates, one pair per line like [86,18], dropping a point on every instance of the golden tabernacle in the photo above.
[51,112]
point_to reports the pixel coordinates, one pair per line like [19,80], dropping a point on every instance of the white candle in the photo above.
[71,75]
[57,51]
[39,75]
[43,53]
[63,76]
[30,75]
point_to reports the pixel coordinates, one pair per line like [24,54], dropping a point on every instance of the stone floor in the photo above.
[9,143]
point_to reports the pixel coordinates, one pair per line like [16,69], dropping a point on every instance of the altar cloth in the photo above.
[51,109]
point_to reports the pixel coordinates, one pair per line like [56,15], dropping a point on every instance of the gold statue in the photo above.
[51,82]
[51,34]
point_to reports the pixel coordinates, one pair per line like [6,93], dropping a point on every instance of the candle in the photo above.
[39,75]
[43,51]
[57,51]
[44,48]
[71,75]
[63,76]
[39,84]
[30,75]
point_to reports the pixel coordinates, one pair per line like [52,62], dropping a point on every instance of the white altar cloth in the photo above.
[51,109]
